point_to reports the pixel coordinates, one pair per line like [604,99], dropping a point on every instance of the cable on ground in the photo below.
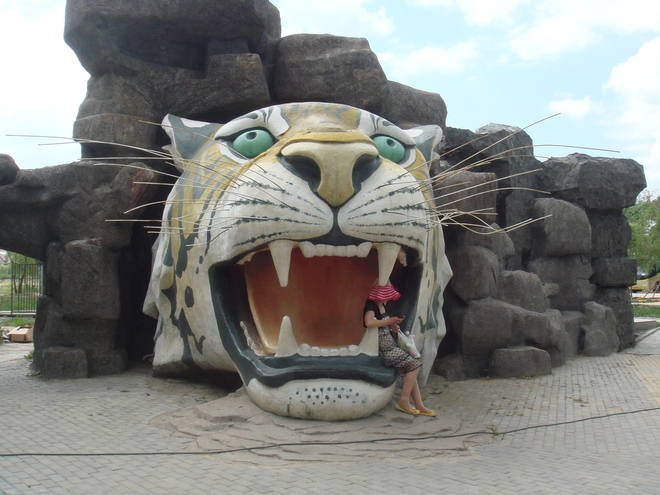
[318,443]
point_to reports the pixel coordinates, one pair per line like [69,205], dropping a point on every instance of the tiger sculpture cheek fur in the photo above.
[279,224]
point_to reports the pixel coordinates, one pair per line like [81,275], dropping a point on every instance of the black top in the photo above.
[372,306]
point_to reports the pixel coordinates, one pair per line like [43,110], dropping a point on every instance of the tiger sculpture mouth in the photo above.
[296,308]
[281,222]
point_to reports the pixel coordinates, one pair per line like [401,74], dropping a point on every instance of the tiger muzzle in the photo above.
[332,163]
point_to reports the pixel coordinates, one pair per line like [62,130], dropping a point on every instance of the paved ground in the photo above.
[592,427]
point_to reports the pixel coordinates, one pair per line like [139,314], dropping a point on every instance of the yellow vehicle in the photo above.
[650,282]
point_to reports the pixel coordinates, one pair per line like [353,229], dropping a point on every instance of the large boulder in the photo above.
[120,36]
[454,368]
[593,183]
[8,169]
[492,237]
[118,105]
[546,331]
[89,282]
[323,67]
[599,328]
[543,331]
[618,299]
[523,289]
[472,194]
[610,234]
[520,361]
[98,339]
[92,212]
[563,229]
[410,107]
[475,271]
[571,274]
[198,58]
[486,325]
[60,361]
[573,329]
[614,272]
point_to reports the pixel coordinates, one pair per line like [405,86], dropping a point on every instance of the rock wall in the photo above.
[60,215]
[558,285]
[519,302]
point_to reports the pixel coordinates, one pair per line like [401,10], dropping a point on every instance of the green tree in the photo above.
[18,264]
[644,219]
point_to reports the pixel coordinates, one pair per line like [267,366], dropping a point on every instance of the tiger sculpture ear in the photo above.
[187,137]
[427,138]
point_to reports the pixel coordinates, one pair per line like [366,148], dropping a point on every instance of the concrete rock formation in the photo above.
[147,59]
[518,300]
[62,215]
[329,68]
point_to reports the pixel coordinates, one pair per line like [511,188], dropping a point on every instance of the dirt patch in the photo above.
[233,423]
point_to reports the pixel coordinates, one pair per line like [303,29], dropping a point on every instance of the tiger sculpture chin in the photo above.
[279,224]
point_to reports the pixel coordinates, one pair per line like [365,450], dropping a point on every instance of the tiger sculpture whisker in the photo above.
[441,177]
[280,222]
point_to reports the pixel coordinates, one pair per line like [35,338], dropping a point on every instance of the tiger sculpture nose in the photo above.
[331,162]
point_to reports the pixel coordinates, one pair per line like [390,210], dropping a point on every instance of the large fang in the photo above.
[387,255]
[369,344]
[286,343]
[281,253]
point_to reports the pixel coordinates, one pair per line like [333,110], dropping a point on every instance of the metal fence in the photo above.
[25,286]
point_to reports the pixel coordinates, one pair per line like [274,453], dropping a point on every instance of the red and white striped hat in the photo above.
[383,293]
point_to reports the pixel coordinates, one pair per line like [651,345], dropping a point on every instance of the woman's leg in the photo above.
[417,398]
[409,383]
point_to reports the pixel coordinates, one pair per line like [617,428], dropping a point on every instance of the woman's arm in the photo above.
[370,320]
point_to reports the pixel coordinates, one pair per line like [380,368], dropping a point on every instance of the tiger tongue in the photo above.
[324,298]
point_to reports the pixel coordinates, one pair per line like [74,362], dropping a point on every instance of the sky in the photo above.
[513,62]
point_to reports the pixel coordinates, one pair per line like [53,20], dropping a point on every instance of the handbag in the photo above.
[407,343]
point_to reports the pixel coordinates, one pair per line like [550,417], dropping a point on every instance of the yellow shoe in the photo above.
[411,411]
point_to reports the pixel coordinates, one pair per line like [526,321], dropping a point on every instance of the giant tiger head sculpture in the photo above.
[280,223]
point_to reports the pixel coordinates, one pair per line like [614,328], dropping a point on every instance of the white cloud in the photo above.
[478,12]
[339,17]
[637,84]
[42,83]
[428,60]
[485,12]
[432,3]
[631,16]
[576,109]
[38,72]
[549,29]
[638,78]
[549,37]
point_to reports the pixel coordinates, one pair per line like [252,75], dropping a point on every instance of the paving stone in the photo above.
[610,446]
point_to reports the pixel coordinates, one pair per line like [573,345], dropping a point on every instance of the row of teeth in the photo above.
[287,345]
[388,253]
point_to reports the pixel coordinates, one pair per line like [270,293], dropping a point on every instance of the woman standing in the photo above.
[375,315]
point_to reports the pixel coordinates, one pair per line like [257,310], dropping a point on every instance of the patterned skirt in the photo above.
[393,355]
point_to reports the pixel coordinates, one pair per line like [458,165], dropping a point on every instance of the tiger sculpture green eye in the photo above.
[253,142]
[390,148]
